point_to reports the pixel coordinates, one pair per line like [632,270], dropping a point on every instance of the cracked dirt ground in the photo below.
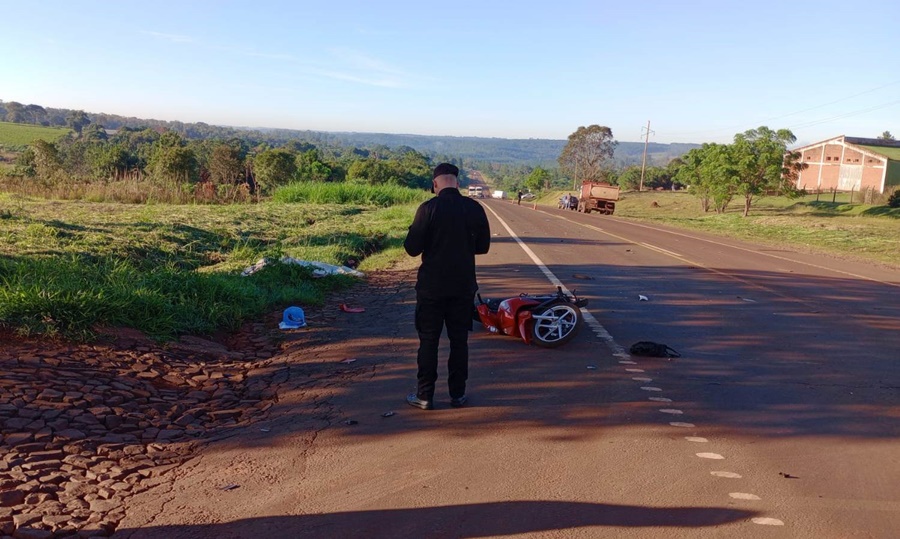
[246,466]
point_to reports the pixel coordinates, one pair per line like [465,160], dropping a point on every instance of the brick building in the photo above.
[851,164]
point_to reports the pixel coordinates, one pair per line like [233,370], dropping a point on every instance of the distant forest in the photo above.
[529,152]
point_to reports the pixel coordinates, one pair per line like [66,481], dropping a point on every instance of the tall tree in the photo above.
[274,167]
[15,112]
[538,179]
[759,155]
[226,167]
[77,120]
[886,136]
[588,152]
[36,113]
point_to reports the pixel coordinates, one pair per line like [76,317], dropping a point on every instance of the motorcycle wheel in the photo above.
[555,324]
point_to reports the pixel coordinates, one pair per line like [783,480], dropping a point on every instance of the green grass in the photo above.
[67,268]
[17,136]
[348,193]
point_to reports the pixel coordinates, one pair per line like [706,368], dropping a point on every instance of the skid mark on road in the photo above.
[626,359]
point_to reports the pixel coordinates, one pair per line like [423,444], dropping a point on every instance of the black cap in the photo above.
[445,168]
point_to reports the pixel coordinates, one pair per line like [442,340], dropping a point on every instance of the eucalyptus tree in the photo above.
[588,153]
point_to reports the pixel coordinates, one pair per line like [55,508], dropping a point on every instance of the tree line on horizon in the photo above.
[532,152]
[209,169]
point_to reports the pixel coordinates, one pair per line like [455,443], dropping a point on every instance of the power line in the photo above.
[845,115]
[723,129]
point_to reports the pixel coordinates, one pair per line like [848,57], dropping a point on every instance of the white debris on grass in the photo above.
[320,269]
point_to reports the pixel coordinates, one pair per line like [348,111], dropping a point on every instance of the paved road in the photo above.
[782,418]
[790,369]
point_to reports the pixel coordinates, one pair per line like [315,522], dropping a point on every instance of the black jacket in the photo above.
[448,231]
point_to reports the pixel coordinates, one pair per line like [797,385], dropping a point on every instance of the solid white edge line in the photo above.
[589,319]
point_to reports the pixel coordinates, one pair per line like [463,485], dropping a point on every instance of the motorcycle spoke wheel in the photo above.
[556,324]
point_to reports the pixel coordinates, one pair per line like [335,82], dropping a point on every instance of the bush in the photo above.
[72,297]
[348,193]
[894,199]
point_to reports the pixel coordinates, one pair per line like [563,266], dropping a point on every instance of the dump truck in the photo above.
[598,196]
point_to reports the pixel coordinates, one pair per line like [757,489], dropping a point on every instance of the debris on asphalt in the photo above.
[582,276]
[230,486]
[351,422]
[642,297]
[748,300]
[388,414]
[265,429]
[787,475]
[348,360]
[652,349]
[347,309]
[592,367]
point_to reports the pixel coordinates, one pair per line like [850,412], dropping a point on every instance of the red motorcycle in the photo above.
[548,321]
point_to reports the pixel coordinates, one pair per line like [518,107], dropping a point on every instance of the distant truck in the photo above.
[479,192]
[598,196]
[498,194]
[471,190]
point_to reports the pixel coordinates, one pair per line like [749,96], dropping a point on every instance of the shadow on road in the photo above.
[497,519]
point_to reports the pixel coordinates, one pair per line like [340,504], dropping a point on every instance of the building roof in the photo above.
[891,153]
[886,148]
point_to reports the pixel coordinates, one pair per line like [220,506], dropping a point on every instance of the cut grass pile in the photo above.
[67,268]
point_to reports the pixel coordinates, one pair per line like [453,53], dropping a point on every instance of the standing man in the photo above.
[448,231]
[519,197]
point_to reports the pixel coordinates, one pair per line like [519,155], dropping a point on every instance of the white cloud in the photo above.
[174,38]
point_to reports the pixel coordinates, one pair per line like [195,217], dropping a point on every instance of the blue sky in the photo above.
[699,71]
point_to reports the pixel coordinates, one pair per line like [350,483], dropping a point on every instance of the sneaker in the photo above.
[413,400]
[459,402]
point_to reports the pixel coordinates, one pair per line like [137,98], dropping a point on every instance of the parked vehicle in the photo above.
[479,192]
[471,190]
[598,196]
[547,320]
[498,194]
[568,202]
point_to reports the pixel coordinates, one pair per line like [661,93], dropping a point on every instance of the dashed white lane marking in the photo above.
[659,399]
[618,350]
[765,521]
[634,370]
[589,319]
[727,475]
[671,411]
[696,439]
[743,496]
[642,379]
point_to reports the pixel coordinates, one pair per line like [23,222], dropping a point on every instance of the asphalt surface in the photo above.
[781,418]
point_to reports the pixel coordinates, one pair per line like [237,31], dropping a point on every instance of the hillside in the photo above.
[492,150]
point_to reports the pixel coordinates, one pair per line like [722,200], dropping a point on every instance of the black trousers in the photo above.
[432,314]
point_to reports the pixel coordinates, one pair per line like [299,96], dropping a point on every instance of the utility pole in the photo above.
[646,132]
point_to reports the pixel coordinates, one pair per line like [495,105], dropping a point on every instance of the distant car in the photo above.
[528,196]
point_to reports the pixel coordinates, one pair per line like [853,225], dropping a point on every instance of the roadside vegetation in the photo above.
[71,268]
